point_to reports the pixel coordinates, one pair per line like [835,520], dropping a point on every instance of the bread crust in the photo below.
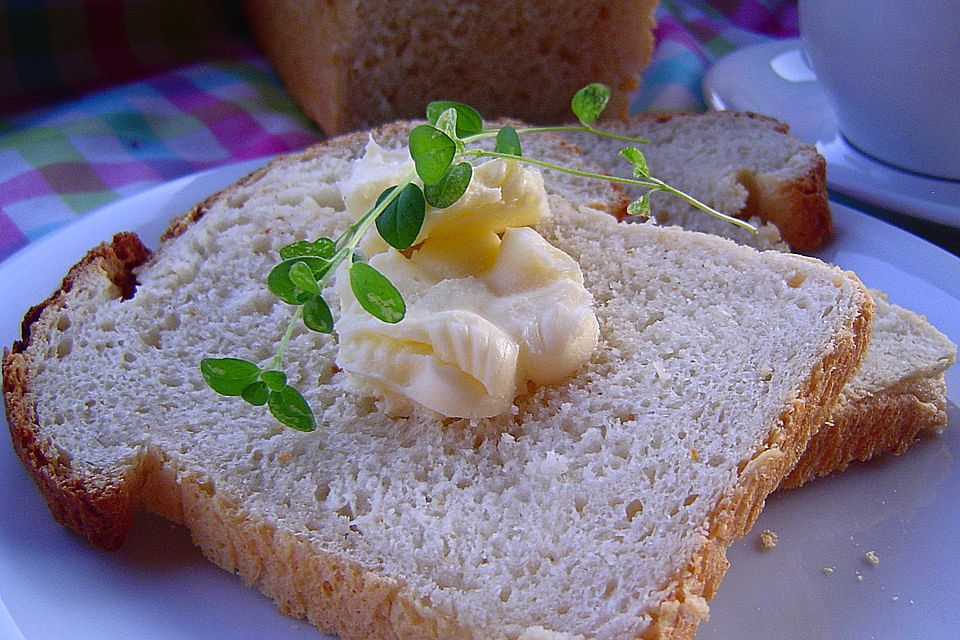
[333,592]
[99,507]
[889,421]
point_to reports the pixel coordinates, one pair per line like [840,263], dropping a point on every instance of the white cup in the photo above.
[891,69]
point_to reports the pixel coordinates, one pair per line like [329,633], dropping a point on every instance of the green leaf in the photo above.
[639,161]
[256,393]
[302,277]
[400,222]
[450,187]
[640,207]
[228,376]
[321,248]
[317,316]
[447,122]
[275,380]
[376,294]
[469,121]
[589,102]
[432,151]
[508,141]
[290,408]
[282,286]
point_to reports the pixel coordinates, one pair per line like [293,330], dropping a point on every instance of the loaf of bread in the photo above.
[352,64]
[750,166]
[600,508]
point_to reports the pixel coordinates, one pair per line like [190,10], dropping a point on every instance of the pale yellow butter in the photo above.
[491,305]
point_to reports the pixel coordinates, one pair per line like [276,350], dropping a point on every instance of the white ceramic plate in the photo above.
[158,586]
[774,78]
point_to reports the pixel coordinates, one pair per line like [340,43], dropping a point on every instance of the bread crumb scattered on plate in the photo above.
[768,539]
[872,558]
[827,571]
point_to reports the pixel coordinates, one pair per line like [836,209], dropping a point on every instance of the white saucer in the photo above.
[774,78]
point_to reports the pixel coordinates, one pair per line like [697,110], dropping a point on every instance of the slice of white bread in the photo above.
[743,164]
[750,166]
[600,509]
[898,395]
[352,64]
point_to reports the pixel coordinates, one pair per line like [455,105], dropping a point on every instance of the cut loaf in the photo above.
[750,166]
[351,64]
[601,508]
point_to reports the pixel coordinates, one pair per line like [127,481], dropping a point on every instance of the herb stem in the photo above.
[492,133]
[576,172]
[347,242]
[549,165]
[704,207]
[651,183]
[278,356]
[580,129]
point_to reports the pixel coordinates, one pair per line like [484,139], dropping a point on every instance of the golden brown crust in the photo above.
[679,616]
[798,208]
[99,507]
[889,421]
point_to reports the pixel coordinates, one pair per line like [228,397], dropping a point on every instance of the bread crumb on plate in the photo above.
[768,539]
[872,558]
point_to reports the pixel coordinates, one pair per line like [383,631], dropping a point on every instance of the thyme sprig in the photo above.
[441,155]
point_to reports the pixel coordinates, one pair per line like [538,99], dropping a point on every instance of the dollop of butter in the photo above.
[491,304]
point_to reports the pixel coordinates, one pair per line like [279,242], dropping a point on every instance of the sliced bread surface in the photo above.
[750,166]
[601,508]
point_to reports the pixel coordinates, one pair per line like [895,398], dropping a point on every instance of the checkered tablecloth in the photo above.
[70,141]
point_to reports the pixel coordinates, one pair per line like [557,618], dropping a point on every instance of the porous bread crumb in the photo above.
[539,633]
[827,571]
[872,558]
[768,539]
